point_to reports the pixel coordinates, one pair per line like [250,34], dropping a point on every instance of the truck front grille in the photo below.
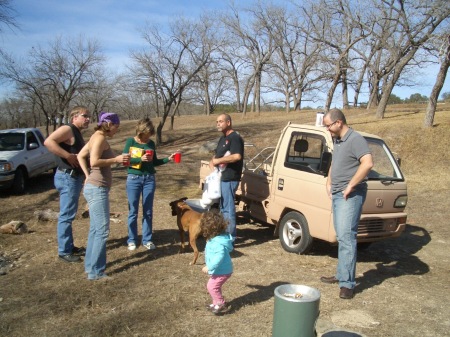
[370,226]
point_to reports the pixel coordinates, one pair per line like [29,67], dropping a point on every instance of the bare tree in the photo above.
[171,62]
[235,64]
[101,95]
[291,68]
[54,76]
[15,113]
[212,81]
[440,79]
[337,24]
[258,45]
[7,15]
[413,24]
[210,87]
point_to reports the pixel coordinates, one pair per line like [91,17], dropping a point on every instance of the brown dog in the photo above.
[187,220]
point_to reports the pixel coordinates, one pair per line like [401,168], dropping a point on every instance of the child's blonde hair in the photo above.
[212,224]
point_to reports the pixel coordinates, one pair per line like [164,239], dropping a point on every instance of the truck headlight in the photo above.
[401,201]
[5,167]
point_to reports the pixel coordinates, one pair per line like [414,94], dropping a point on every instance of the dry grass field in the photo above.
[403,284]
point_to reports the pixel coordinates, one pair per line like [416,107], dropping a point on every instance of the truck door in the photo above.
[299,180]
[36,156]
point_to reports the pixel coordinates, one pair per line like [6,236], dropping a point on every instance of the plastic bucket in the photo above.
[296,311]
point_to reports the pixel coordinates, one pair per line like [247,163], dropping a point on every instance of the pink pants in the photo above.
[214,287]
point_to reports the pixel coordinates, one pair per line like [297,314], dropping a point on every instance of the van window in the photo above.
[305,152]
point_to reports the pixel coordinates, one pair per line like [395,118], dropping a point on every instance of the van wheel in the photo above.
[363,245]
[294,233]
[18,186]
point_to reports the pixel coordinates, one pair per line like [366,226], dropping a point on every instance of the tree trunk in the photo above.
[345,104]
[207,99]
[172,121]
[440,79]
[287,98]
[332,90]
[257,98]
[159,133]
[358,87]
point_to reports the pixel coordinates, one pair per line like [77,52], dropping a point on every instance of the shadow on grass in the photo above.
[395,257]
[35,185]
[258,295]
[392,257]
[167,242]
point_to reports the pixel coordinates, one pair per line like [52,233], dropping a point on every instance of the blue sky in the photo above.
[115,24]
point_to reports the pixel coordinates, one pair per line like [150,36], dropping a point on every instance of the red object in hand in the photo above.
[177,157]
[126,159]
[149,153]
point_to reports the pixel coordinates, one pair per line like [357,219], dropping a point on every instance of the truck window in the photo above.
[305,152]
[385,166]
[12,141]
[40,136]
[31,138]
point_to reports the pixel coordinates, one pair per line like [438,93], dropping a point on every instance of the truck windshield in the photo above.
[12,141]
[385,166]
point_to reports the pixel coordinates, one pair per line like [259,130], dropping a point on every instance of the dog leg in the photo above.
[193,242]
[181,230]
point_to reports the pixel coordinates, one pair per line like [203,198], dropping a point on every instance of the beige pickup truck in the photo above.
[285,186]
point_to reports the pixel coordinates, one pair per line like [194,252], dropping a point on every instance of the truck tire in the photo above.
[294,233]
[18,186]
[363,245]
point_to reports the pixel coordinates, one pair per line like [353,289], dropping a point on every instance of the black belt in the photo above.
[71,172]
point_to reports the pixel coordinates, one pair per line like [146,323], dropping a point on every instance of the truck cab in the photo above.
[22,156]
[286,186]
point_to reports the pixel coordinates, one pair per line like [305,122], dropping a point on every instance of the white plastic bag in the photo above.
[212,184]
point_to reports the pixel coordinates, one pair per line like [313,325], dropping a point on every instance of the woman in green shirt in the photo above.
[141,181]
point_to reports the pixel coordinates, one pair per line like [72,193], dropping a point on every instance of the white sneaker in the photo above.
[131,246]
[150,245]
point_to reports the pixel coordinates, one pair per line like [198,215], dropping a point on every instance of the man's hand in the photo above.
[73,160]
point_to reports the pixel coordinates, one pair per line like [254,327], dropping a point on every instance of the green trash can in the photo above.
[296,311]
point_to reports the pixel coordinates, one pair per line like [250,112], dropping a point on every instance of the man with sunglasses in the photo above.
[65,143]
[347,188]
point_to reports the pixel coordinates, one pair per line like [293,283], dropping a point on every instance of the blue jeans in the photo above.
[69,189]
[98,200]
[346,216]
[227,206]
[138,185]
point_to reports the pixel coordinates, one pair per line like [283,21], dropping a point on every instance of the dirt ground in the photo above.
[403,284]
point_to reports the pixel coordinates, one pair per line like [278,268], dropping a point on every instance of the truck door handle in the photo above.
[280,184]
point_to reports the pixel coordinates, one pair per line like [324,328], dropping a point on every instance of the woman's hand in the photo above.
[205,269]
[148,156]
[123,159]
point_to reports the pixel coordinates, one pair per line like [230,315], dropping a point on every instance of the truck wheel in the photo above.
[363,245]
[294,233]
[18,186]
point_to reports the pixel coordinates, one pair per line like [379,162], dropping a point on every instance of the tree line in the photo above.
[287,54]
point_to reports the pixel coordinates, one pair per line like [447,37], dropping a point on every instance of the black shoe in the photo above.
[79,251]
[70,258]
[329,280]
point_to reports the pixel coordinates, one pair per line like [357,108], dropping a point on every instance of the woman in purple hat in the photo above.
[96,191]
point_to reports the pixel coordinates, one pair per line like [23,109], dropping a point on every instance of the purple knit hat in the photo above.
[111,117]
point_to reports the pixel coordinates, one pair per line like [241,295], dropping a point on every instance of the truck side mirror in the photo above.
[33,146]
[325,162]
